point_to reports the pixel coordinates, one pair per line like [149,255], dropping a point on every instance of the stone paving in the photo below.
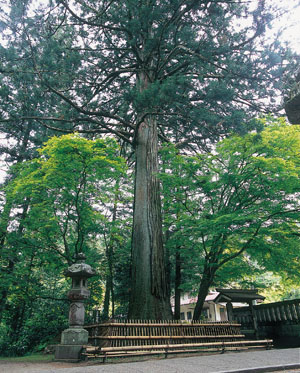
[284,360]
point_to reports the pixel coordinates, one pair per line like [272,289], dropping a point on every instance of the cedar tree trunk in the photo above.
[149,293]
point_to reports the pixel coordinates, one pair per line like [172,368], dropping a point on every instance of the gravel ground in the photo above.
[285,360]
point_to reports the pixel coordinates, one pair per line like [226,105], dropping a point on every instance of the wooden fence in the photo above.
[141,337]
[139,332]
[286,311]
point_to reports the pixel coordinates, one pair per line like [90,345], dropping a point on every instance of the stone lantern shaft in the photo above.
[75,337]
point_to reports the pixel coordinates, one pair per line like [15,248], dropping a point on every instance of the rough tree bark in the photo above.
[177,285]
[109,281]
[105,312]
[149,293]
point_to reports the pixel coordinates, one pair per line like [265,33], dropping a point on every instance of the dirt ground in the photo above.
[7,366]
[36,365]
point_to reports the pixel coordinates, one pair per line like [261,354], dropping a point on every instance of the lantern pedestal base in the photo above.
[74,336]
[69,353]
[71,347]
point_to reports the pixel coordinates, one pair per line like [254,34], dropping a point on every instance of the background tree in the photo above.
[20,137]
[239,204]
[68,190]
[117,239]
[183,70]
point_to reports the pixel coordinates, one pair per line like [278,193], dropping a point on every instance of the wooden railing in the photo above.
[139,332]
[285,311]
[133,338]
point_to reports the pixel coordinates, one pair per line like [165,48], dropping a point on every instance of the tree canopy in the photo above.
[146,71]
[68,189]
[240,202]
[228,215]
[69,192]
[104,67]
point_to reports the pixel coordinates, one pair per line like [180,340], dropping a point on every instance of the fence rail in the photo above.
[144,332]
[285,311]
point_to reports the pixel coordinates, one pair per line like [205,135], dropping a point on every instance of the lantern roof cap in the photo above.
[80,268]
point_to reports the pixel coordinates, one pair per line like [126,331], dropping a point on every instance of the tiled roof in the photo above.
[192,300]
[225,295]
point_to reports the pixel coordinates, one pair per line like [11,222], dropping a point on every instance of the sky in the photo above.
[289,21]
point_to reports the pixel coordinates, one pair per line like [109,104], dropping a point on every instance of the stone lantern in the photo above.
[73,338]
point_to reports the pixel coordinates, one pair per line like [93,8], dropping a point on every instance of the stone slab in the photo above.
[69,353]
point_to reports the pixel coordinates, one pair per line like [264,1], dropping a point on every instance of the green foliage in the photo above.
[194,69]
[68,194]
[235,211]
[69,187]
[188,66]
[44,322]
